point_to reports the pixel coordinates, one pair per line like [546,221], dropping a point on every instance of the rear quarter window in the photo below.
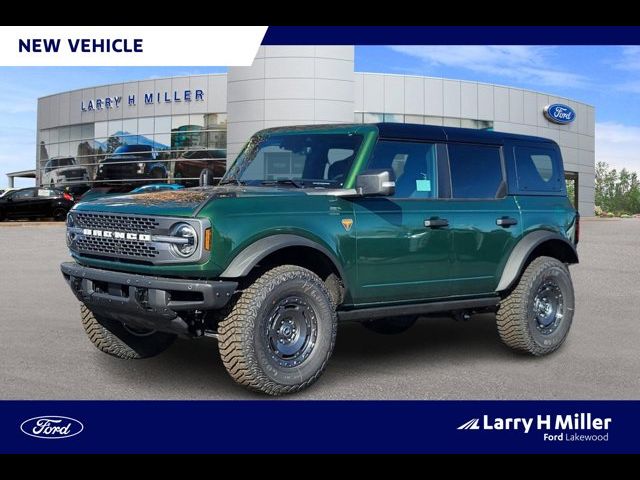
[538,169]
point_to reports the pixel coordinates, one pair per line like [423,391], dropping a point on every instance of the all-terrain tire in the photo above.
[518,317]
[113,338]
[391,326]
[246,343]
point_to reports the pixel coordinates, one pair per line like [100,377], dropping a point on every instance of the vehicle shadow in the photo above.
[192,369]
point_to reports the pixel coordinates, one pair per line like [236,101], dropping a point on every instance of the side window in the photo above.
[476,171]
[46,192]
[23,194]
[537,169]
[414,165]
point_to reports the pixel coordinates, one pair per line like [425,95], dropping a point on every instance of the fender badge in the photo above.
[347,223]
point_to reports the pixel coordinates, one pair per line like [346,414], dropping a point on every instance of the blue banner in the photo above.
[310,426]
[452,35]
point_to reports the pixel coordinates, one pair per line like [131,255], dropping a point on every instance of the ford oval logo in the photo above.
[51,427]
[559,113]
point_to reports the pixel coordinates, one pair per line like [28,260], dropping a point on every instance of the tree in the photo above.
[617,192]
[113,142]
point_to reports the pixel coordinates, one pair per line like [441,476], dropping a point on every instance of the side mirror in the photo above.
[380,183]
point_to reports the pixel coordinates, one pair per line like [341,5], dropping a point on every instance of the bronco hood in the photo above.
[178,203]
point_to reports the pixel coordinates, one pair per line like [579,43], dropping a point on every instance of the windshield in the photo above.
[300,159]
[143,151]
[66,162]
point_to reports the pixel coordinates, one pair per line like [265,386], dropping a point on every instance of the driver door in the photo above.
[403,241]
[21,203]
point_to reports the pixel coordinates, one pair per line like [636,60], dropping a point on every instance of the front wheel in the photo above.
[280,332]
[59,214]
[536,316]
[158,173]
[119,340]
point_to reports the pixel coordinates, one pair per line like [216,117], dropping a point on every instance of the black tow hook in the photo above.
[142,297]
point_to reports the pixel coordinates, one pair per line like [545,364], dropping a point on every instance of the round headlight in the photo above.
[189,234]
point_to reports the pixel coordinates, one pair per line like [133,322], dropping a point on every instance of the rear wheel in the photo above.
[59,214]
[119,340]
[391,326]
[280,332]
[536,316]
[158,173]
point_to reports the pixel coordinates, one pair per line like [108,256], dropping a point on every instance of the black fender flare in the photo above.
[250,256]
[515,264]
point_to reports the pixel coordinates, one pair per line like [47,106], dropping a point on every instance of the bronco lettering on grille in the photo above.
[141,237]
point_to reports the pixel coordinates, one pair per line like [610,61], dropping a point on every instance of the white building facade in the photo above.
[288,85]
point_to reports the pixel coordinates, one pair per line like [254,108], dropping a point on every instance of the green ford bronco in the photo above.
[316,225]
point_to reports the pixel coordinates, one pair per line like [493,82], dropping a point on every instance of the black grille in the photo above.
[116,222]
[109,246]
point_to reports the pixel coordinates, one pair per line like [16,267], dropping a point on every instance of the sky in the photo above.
[607,77]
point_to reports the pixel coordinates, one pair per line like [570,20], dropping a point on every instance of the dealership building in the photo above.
[295,85]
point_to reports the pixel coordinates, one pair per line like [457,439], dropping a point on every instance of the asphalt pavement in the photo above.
[44,353]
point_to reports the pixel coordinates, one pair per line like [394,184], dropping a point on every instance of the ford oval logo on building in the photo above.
[51,427]
[559,113]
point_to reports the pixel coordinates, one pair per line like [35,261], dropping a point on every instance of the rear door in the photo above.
[487,220]
[42,204]
[404,241]
[20,204]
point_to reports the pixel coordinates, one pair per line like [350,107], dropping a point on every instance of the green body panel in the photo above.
[480,247]
[398,258]
[387,255]
[239,222]
[555,214]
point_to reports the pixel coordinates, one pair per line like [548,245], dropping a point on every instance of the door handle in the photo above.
[436,223]
[506,222]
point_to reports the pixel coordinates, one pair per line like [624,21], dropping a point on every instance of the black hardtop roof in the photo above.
[412,131]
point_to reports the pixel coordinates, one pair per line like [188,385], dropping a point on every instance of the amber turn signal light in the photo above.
[207,239]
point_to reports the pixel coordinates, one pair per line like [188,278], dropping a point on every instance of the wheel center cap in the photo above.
[287,330]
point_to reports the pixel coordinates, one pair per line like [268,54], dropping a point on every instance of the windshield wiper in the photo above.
[284,181]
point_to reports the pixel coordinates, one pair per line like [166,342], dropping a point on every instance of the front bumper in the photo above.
[144,301]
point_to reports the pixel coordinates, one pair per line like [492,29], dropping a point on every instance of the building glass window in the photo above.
[373,117]
[75,132]
[393,117]
[145,125]
[130,126]
[64,134]
[162,125]
[115,128]
[87,131]
[200,138]
[101,130]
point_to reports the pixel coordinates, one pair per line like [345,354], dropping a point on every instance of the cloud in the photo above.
[531,64]
[630,59]
[618,145]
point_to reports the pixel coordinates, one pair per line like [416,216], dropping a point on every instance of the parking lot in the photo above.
[45,354]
